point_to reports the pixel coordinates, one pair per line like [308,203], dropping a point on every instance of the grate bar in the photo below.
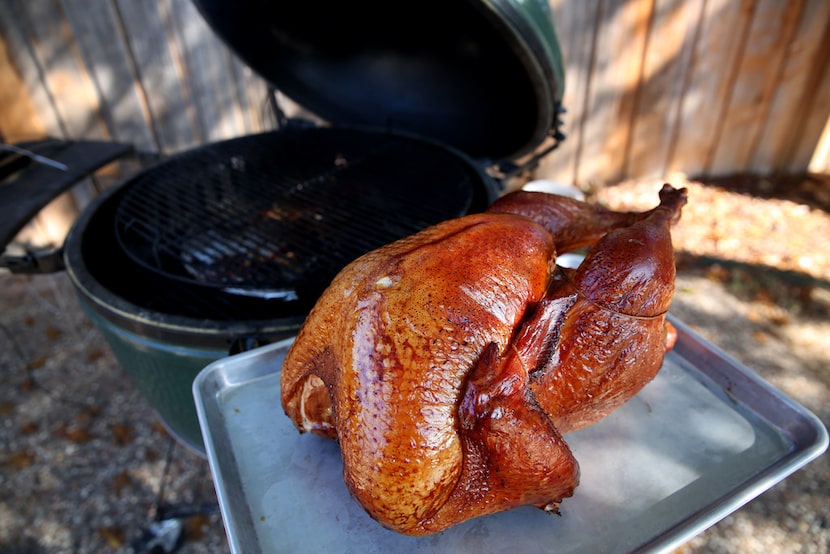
[280,211]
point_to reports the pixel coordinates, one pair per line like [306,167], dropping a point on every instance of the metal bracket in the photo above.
[506,170]
[47,261]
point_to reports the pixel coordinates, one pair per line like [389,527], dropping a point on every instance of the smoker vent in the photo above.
[274,217]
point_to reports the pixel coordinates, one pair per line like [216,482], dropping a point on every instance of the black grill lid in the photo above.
[483,76]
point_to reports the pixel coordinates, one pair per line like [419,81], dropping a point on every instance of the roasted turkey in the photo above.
[449,364]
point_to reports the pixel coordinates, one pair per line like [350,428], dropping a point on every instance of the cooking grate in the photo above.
[276,216]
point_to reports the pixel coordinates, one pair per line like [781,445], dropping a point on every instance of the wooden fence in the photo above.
[703,87]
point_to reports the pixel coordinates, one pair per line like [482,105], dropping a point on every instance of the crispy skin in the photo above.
[616,334]
[429,359]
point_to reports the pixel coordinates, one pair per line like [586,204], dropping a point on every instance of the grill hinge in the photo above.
[505,170]
[34,262]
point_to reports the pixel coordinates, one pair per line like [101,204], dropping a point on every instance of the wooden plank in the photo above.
[794,90]
[102,45]
[205,64]
[771,30]
[147,37]
[234,95]
[247,83]
[808,130]
[64,74]
[613,89]
[820,160]
[19,119]
[238,73]
[576,25]
[180,68]
[703,106]
[668,59]
[15,30]
[254,93]
[25,60]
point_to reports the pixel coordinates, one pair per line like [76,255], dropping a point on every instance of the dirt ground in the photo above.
[86,466]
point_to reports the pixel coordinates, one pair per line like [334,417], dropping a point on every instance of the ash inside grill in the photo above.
[256,227]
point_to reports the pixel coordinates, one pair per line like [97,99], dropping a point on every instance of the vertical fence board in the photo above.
[667,62]
[206,62]
[814,106]
[70,87]
[820,160]
[794,90]
[33,51]
[702,106]
[613,89]
[123,106]
[148,40]
[254,94]
[771,31]
[20,120]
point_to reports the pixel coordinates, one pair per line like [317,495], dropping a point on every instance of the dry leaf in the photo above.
[36,363]
[755,316]
[113,535]
[717,273]
[28,384]
[94,355]
[151,455]
[78,435]
[194,526]
[20,459]
[29,428]
[121,481]
[53,333]
[159,427]
[760,336]
[122,433]
[87,415]
[764,296]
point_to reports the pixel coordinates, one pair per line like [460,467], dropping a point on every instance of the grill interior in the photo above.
[256,227]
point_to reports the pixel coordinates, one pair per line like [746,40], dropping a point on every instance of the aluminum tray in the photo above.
[701,440]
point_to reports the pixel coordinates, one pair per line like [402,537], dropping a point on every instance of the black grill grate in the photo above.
[275,216]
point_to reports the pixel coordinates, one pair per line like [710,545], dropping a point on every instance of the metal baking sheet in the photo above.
[701,440]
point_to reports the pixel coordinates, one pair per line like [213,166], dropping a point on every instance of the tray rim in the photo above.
[804,448]
[206,386]
[808,439]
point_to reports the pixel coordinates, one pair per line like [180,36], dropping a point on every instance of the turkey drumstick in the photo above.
[449,363]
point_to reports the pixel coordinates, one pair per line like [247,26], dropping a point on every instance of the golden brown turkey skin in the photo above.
[614,338]
[424,359]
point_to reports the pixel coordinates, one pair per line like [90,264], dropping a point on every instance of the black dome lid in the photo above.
[485,77]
